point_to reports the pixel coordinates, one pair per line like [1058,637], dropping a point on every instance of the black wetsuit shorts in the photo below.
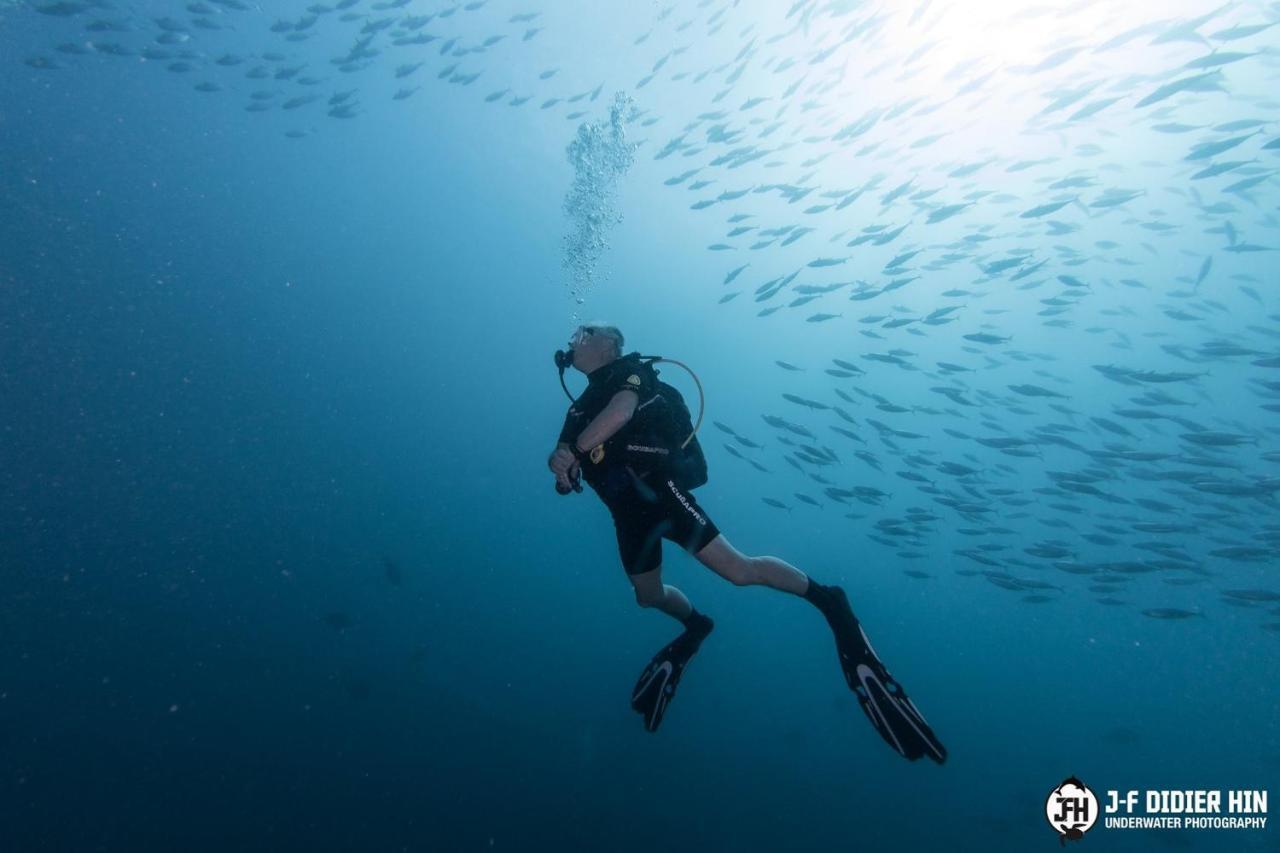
[649,509]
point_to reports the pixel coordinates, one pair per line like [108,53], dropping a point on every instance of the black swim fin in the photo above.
[657,684]
[882,698]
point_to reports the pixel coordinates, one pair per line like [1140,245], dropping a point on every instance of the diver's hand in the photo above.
[561,460]
[571,482]
[564,466]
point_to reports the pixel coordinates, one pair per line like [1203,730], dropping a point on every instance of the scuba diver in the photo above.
[630,436]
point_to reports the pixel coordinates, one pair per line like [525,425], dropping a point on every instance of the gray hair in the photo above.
[612,332]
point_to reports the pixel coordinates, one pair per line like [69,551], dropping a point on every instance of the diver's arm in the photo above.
[614,417]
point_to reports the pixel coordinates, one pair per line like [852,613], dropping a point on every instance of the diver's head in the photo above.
[594,345]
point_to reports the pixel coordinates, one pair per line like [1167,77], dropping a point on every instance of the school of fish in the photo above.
[1093,214]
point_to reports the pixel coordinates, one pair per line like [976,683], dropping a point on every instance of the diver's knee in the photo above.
[650,599]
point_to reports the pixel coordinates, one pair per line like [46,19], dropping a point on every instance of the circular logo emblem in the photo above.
[633,380]
[1071,809]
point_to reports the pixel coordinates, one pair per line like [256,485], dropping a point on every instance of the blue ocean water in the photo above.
[283,567]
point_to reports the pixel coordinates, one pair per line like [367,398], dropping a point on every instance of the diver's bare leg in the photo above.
[652,592]
[737,568]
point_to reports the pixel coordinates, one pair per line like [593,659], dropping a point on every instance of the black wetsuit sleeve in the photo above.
[631,377]
[620,376]
[573,424]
